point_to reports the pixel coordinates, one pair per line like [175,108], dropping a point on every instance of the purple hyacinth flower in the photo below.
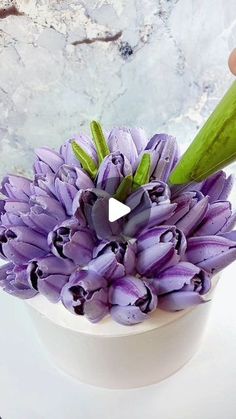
[114,168]
[211,253]
[114,259]
[11,212]
[184,203]
[194,217]
[44,185]
[181,286]
[69,240]
[131,300]
[159,248]
[217,186]
[164,152]
[87,145]
[44,213]
[86,294]
[17,188]
[90,207]
[68,181]
[20,244]
[150,206]
[48,275]
[48,161]
[14,281]
[217,219]
[128,142]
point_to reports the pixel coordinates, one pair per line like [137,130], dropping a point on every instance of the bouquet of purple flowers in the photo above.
[57,240]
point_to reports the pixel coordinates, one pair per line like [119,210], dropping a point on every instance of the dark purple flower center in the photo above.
[156,194]
[35,273]
[80,296]
[117,160]
[60,237]
[144,302]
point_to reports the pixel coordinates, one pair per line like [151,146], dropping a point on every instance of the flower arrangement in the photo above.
[57,240]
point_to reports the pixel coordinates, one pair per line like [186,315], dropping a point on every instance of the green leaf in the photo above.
[124,188]
[142,175]
[99,140]
[86,161]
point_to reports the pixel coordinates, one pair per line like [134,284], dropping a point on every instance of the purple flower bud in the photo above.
[216,219]
[211,253]
[131,300]
[68,181]
[20,244]
[11,212]
[123,140]
[164,153]
[48,161]
[86,294]
[44,185]
[217,186]
[159,248]
[150,206]
[181,286]
[114,259]
[194,217]
[44,214]
[112,171]
[48,275]
[184,203]
[14,281]
[87,145]
[69,240]
[17,188]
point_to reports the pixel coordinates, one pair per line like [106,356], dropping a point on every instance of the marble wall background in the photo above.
[156,63]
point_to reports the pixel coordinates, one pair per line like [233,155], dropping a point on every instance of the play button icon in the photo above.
[116,210]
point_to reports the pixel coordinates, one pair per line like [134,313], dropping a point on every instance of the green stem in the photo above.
[214,146]
[99,140]
[142,175]
[86,161]
[124,188]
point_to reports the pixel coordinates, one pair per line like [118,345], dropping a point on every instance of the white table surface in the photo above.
[32,388]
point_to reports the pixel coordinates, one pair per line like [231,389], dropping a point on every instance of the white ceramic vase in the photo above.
[110,355]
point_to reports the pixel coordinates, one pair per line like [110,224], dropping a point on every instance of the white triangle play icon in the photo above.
[116,209]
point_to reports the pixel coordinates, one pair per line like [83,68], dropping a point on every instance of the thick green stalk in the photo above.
[99,140]
[214,146]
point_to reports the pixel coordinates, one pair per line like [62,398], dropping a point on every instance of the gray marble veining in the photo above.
[156,63]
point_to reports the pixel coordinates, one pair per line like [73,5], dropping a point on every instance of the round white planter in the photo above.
[110,355]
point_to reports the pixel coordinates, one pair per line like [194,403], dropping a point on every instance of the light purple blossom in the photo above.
[86,294]
[112,171]
[181,286]
[71,241]
[48,275]
[57,240]
[131,300]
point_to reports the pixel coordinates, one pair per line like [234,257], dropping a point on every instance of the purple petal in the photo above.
[50,157]
[127,315]
[175,277]
[188,223]
[179,300]
[150,261]
[215,219]
[97,308]
[127,290]
[148,218]
[212,253]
